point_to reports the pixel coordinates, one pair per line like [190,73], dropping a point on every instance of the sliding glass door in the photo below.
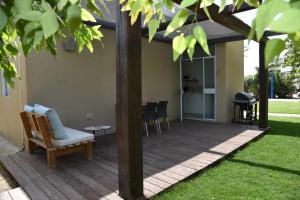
[198,88]
[209,88]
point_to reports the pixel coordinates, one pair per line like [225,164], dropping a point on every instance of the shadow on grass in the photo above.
[271,167]
[284,128]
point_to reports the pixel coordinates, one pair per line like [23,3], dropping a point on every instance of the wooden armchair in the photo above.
[39,133]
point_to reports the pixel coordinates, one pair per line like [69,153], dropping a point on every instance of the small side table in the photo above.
[94,129]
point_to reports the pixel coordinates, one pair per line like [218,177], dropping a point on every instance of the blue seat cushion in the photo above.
[28,108]
[54,120]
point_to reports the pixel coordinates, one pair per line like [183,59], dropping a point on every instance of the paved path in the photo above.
[6,147]
[284,115]
[14,194]
[286,100]
[6,182]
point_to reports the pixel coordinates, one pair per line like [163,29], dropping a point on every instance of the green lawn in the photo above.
[286,107]
[266,169]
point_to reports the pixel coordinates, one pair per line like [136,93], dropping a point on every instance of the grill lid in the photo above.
[244,97]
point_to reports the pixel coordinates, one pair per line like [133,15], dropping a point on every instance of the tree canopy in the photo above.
[291,57]
[27,25]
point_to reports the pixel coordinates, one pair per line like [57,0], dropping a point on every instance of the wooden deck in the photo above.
[168,158]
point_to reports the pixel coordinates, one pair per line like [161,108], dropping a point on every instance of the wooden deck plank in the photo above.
[37,178]
[168,159]
[68,184]
[32,189]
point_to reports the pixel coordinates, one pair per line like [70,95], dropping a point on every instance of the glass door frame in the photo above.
[209,91]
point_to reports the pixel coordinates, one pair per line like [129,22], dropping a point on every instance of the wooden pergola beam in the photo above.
[230,22]
[244,7]
[129,106]
[228,9]
[226,19]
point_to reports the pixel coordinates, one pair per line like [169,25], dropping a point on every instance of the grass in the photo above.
[286,107]
[266,169]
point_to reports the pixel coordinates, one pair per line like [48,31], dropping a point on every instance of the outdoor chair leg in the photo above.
[51,159]
[146,128]
[168,124]
[156,124]
[159,126]
[32,146]
[89,150]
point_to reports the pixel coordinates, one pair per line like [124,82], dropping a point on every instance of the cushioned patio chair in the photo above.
[39,133]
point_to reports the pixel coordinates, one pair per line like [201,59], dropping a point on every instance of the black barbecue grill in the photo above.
[247,105]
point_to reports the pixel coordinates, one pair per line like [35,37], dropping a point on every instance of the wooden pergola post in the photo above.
[129,106]
[263,88]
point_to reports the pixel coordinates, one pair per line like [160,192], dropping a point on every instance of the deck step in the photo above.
[14,194]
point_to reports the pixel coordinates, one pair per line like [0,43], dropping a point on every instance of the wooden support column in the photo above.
[129,106]
[263,88]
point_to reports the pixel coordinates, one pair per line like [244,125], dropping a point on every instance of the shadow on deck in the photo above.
[168,158]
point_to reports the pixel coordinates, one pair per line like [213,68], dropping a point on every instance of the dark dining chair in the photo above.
[162,112]
[150,114]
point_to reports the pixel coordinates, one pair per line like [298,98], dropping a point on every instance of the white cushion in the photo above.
[75,136]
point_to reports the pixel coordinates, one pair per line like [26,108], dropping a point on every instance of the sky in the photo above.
[251,49]
[251,57]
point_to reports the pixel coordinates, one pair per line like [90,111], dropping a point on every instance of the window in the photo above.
[5,91]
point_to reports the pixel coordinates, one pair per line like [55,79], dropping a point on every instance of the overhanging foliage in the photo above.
[37,24]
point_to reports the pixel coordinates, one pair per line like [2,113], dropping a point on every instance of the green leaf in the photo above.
[38,36]
[295,38]
[273,48]
[201,38]
[178,20]
[206,3]
[87,16]
[285,22]
[73,17]
[11,49]
[51,45]
[187,3]
[207,13]
[238,4]
[92,6]
[46,6]
[90,47]
[32,15]
[266,13]
[23,6]
[3,19]
[30,28]
[73,1]
[222,6]
[10,72]
[254,3]
[152,26]
[61,4]
[169,4]
[26,47]
[252,31]
[179,46]
[190,43]
[49,23]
